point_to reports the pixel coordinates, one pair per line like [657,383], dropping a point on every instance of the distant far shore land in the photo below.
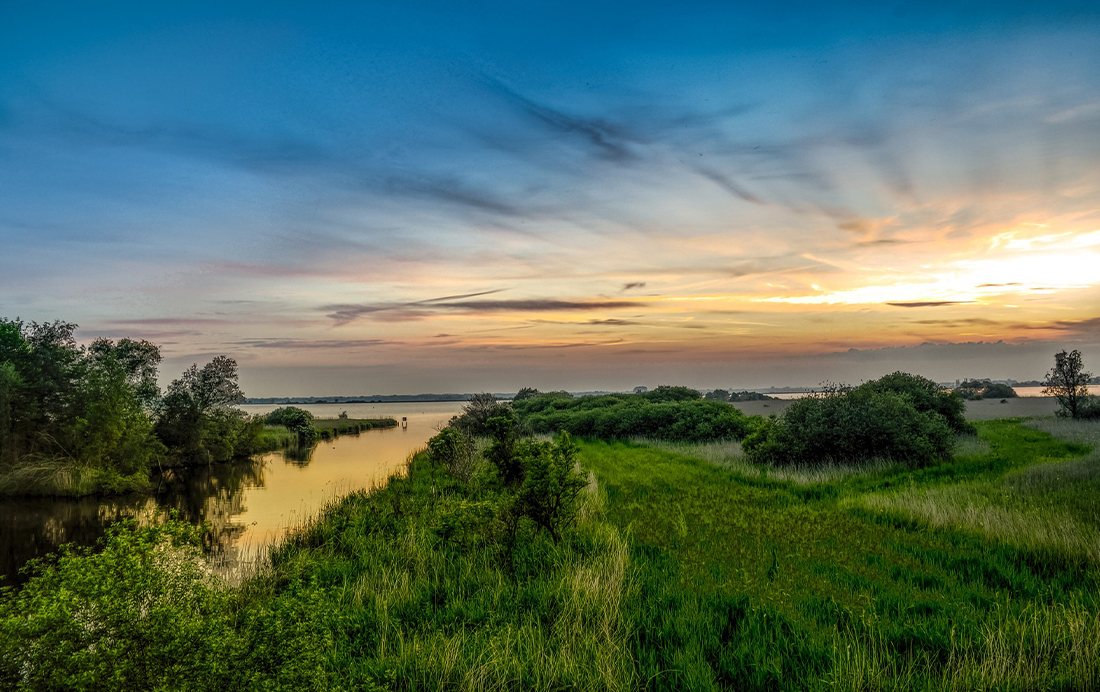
[414,398]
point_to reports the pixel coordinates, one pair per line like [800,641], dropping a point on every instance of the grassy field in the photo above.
[842,579]
[688,569]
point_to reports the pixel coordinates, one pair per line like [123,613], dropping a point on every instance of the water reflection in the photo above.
[248,505]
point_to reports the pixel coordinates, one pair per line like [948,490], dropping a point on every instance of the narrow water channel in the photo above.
[249,504]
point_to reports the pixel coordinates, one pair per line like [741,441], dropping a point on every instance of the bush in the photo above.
[551,487]
[454,450]
[676,415]
[926,397]
[137,613]
[865,424]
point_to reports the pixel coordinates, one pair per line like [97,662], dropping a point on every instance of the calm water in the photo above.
[249,504]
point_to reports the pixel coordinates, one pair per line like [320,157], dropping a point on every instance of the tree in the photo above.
[717,395]
[526,393]
[1068,382]
[196,419]
[137,359]
[477,412]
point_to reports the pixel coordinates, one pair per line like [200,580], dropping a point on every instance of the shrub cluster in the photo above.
[901,417]
[973,390]
[667,413]
[533,481]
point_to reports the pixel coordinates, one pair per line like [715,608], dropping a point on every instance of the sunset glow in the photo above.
[421,200]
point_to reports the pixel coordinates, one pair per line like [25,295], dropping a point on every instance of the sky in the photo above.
[422,197]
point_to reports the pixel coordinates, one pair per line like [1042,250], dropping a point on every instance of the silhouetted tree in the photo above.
[1068,382]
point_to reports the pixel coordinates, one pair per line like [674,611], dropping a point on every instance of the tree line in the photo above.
[98,410]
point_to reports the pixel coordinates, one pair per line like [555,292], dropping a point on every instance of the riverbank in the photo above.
[61,477]
[688,568]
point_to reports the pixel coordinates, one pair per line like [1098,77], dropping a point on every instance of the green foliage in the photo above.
[678,574]
[973,390]
[85,406]
[551,486]
[671,413]
[750,396]
[296,420]
[897,420]
[196,420]
[926,397]
[476,414]
[525,393]
[136,613]
[666,393]
[502,452]
[717,395]
[454,450]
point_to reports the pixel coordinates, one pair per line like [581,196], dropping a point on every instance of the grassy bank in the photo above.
[276,437]
[58,477]
[688,568]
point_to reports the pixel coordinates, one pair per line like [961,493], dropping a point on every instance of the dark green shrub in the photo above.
[454,450]
[675,416]
[550,493]
[476,414]
[926,397]
[862,425]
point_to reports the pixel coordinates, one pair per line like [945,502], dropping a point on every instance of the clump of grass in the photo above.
[971,446]
[1079,431]
[1048,507]
[1043,527]
[729,455]
[1053,647]
[62,477]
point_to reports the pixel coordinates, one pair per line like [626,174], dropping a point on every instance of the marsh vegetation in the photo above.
[499,560]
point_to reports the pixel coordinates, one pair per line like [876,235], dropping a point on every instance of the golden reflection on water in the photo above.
[290,492]
[247,505]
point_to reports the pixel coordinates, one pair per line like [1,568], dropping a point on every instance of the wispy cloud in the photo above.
[345,313]
[929,303]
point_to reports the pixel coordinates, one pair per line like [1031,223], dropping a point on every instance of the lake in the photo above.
[250,504]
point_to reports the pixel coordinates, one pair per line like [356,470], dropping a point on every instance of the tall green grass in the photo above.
[687,569]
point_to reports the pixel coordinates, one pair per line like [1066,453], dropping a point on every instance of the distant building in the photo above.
[641,390]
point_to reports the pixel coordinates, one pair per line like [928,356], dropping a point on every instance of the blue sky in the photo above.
[412,196]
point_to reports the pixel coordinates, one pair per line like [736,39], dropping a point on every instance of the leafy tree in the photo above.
[717,395]
[139,361]
[476,414]
[196,419]
[526,393]
[1068,382]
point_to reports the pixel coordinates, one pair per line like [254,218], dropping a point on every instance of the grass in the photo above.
[59,477]
[688,569]
[1041,497]
[279,437]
